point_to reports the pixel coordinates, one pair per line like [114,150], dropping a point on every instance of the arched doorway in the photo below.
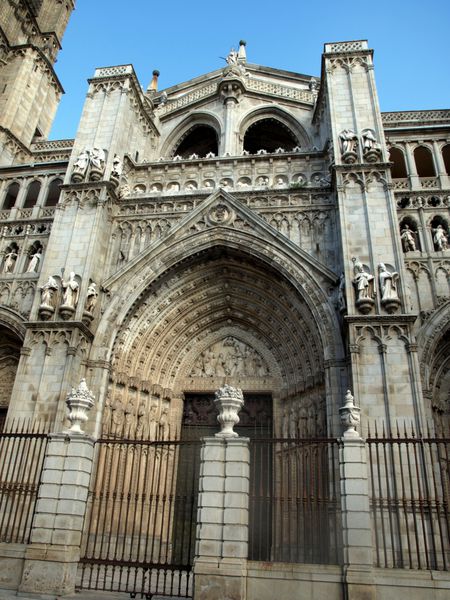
[10,346]
[219,317]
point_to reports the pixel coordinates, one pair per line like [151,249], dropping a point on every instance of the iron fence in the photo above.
[295,511]
[409,486]
[22,452]
[140,530]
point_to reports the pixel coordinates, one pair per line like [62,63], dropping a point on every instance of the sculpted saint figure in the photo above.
[91,297]
[362,281]
[47,292]
[349,141]
[98,158]
[70,287]
[10,261]
[369,140]
[34,262]
[117,167]
[232,58]
[81,164]
[388,283]
[440,239]
[408,241]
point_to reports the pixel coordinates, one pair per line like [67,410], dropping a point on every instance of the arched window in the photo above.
[269,135]
[200,141]
[32,194]
[11,196]
[446,157]
[53,193]
[424,162]
[398,169]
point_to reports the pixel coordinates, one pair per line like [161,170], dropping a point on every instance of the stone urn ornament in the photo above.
[79,401]
[228,401]
[350,416]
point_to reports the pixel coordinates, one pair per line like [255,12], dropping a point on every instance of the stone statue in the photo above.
[388,283]
[440,239]
[70,296]
[369,140]
[98,159]
[35,259]
[362,281]
[91,297]
[232,58]
[349,141]
[48,292]
[408,241]
[10,261]
[81,164]
[363,284]
[117,167]
[342,302]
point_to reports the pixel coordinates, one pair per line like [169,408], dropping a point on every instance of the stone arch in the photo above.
[12,333]
[183,129]
[434,348]
[397,158]
[281,116]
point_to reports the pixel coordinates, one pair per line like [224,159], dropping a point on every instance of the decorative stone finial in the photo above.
[229,401]
[79,401]
[154,81]
[350,416]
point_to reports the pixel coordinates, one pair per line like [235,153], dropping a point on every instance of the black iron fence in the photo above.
[295,510]
[22,452]
[141,521]
[409,485]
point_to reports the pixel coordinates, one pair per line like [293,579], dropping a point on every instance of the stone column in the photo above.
[52,557]
[356,519]
[220,565]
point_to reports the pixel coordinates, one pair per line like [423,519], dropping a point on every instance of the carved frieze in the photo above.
[229,357]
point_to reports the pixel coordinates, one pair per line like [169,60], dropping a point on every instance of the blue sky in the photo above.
[185,38]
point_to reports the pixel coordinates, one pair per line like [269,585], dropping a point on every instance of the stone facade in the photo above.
[252,227]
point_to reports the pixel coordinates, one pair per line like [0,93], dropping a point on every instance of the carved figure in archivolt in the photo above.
[229,358]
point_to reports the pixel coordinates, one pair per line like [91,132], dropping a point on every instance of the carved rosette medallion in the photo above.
[220,214]
[229,401]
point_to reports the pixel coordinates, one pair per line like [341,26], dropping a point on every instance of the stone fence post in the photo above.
[220,565]
[355,508]
[52,557]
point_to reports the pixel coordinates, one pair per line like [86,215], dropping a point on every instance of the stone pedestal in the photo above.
[356,520]
[51,559]
[220,566]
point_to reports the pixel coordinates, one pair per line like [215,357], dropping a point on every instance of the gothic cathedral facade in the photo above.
[254,227]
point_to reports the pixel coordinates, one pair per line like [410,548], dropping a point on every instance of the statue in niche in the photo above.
[349,143]
[10,261]
[440,238]
[164,423]
[117,167]
[35,260]
[48,292]
[363,283]
[408,239]
[70,294]
[98,159]
[80,166]
[370,146]
[91,298]
[140,422]
[388,287]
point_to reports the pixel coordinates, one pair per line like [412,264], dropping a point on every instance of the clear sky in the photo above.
[186,38]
